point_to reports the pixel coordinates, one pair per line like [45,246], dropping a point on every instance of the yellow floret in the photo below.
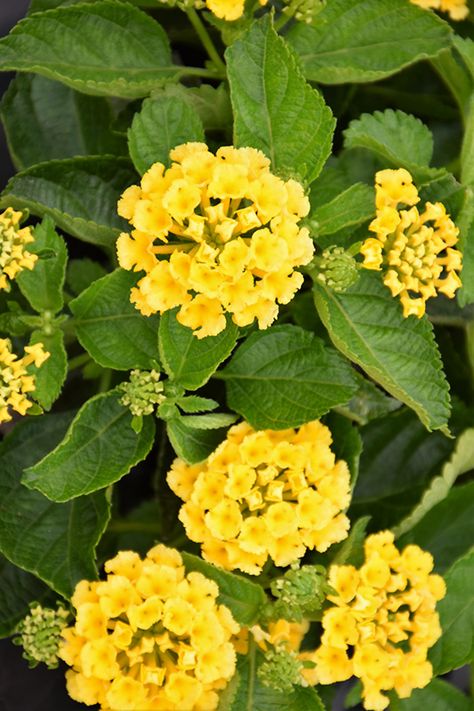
[457,9]
[16,380]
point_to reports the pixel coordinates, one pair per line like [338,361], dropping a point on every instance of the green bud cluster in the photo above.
[142,392]
[39,633]
[281,670]
[337,269]
[304,10]
[300,593]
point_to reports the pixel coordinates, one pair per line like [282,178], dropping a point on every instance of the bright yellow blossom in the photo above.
[382,622]
[263,494]
[13,255]
[149,637]
[457,9]
[215,234]
[16,381]
[415,250]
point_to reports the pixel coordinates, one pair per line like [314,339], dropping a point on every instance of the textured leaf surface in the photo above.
[99,448]
[367,325]
[79,194]
[110,328]
[44,119]
[17,589]
[43,286]
[190,443]
[56,542]
[285,377]
[351,207]
[243,597]
[105,47]
[50,377]
[456,611]
[461,461]
[368,40]
[437,696]
[165,121]
[275,110]
[191,361]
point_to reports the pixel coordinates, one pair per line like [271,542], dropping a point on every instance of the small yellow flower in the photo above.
[149,637]
[13,255]
[263,494]
[457,9]
[215,234]
[390,600]
[413,249]
[16,381]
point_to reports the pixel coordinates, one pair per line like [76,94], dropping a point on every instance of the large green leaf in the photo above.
[99,448]
[366,323]
[50,377]
[43,286]
[105,47]
[244,598]
[56,542]
[191,443]
[461,462]
[456,645]
[275,110]
[245,692]
[285,377]
[437,696]
[165,121]
[44,119]
[368,40]
[447,531]
[351,207]
[188,360]
[399,457]
[110,328]
[17,589]
[80,194]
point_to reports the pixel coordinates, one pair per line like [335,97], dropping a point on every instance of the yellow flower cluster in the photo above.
[227,233]
[415,250]
[228,9]
[263,494]
[457,9]
[15,381]
[13,255]
[382,622]
[149,637]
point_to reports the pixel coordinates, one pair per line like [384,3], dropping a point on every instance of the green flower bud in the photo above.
[304,10]
[39,633]
[281,670]
[337,269]
[299,593]
[143,392]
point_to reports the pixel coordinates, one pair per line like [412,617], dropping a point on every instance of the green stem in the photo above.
[454,76]
[105,380]
[206,40]
[78,361]
[201,72]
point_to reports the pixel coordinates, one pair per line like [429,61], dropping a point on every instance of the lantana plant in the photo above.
[237,352]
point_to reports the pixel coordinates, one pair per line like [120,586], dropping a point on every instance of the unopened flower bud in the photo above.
[142,392]
[281,670]
[39,633]
[337,269]
[299,593]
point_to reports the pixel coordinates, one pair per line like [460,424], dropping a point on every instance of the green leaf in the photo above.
[285,377]
[188,360]
[50,377]
[245,692]
[100,447]
[56,542]
[367,325]
[374,39]
[195,403]
[43,286]
[437,696]
[213,421]
[397,138]
[110,328]
[462,461]
[105,48]
[244,598]
[408,455]
[191,444]
[351,207]
[79,194]
[212,105]
[347,442]
[456,611]
[369,403]
[447,530]
[44,120]
[351,551]
[81,273]
[165,121]
[275,110]
[17,589]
